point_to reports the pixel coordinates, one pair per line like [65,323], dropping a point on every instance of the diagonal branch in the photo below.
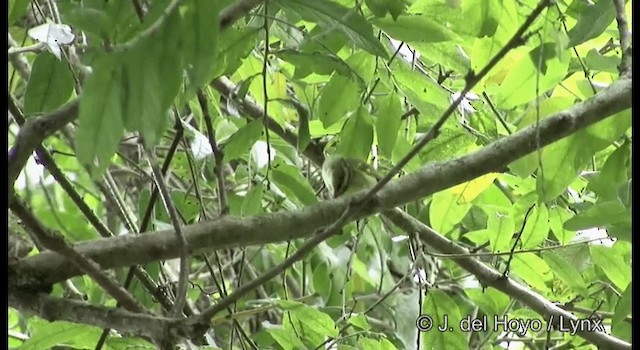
[59,309]
[32,132]
[228,232]
[489,277]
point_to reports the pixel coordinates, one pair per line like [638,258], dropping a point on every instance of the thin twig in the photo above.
[16,50]
[265,93]
[218,154]
[183,246]
[497,114]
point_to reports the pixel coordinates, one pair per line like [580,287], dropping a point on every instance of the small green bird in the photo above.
[344,176]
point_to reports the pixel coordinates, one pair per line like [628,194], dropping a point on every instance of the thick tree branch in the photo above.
[58,309]
[32,132]
[48,268]
[489,277]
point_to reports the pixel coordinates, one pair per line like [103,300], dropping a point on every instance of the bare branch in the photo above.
[218,155]
[231,232]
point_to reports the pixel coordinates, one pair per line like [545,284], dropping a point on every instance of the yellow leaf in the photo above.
[468,191]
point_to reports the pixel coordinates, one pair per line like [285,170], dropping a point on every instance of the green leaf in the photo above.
[445,212]
[487,16]
[322,283]
[597,62]
[388,123]
[292,183]
[623,307]
[450,143]
[536,228]
[357,135]
[200,27]
[415,28]
[242,140]
[170,62]
[304,134]
[532,269]
[601,214]
[47,335]
[94,20]
[557,217]
[563,160]
[526,165]
[359,321]
[348,21]
[338,98]
[317,62]
[100,124]
[364,65]
[114,343]
[490,300]
[377,7]
[531,75]
[613,265]
[425,94]
[17,9]
[502,228]
[252,204]
[145,111]
[593,21]
[234,44]
[566,271]
[286,338]
[311,317]
[50,85]
[440,307]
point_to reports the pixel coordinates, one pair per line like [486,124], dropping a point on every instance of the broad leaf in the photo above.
[100,124]
[200,30]
[348,21]
[242,140]
[593,20]
[356,136]
[388,123]
[50,85]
